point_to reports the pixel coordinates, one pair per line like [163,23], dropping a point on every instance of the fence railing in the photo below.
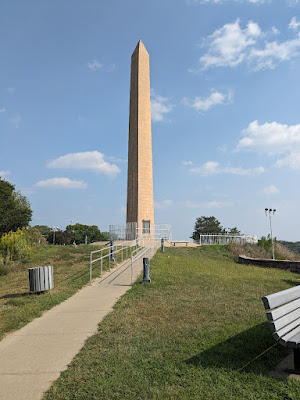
[118,252]
[227,239]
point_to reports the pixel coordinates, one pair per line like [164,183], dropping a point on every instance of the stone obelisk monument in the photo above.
[140,179]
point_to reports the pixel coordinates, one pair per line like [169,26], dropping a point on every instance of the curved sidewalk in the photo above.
[32,358]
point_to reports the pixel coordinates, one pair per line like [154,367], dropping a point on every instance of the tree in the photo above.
[15,210]
[60,237]
[80,231]
[44,229]
[233,231]
[206,225]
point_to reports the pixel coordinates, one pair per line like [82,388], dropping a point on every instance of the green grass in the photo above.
[70,269]
[198,331]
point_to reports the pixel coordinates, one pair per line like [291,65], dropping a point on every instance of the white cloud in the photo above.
[3,174]
[94,65]
[270,138]
[294,24]
[163,204]
[203,104]
[15,120]
[187,162]
[2,110]
[160,107]
[61,183]
[291,160]
[269,190]
[213,168]
[232,45]
[208,204]
[228,45]
[274,139]
[274,52]
[275,31]
[88,160]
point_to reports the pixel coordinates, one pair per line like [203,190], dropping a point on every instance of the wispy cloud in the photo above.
[213,168]
[163,204]
[10,90]
[160,107]
[187,162]
[2,110]
[3,174]
[94,65]
[201,104]
[89,160]
[232,45]
[61,183]
[15,120]
[294,24]
[291,160]
[270,190]
[208,204]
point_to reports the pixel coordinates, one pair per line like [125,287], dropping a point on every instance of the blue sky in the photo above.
[225,109]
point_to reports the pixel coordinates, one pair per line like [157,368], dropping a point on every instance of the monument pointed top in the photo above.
[140,46]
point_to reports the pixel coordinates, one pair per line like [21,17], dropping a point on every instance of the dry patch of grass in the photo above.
[256,251]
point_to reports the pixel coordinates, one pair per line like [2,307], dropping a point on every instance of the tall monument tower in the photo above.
[140,178]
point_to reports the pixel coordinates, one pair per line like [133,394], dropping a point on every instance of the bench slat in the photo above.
[285,321]
[285,309]
[294,340]
[286,331]
[285,337]
[280,298]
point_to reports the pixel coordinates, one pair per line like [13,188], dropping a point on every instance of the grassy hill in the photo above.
[198,331]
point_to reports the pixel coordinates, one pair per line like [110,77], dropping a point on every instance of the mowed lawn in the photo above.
[198,331]
[71,272]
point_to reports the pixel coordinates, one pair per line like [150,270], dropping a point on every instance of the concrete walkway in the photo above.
[32,358]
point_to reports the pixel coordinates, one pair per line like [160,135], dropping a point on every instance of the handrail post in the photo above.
[91,266]
[131,270]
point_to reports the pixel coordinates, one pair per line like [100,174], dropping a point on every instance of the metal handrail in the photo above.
[115,250]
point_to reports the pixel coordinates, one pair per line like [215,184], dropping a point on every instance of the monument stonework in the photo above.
[140,177]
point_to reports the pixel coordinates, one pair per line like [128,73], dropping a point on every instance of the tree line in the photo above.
[77,233]
[16,214]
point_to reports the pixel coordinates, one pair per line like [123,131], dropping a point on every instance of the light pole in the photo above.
[270,213]
[54,228]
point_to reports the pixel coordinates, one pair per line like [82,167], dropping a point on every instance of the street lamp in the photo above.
[54,228]
[269,212]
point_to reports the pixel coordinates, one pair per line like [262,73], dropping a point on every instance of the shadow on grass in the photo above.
[253,350]
[292,283]
[17,295]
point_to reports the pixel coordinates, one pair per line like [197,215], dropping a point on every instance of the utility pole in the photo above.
[269,212]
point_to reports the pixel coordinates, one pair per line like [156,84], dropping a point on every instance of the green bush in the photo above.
[15,246]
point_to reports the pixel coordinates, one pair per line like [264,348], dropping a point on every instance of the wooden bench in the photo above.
[283,314]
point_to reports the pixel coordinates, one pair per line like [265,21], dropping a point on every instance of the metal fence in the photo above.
[227,239]
[118,252]
[130,231]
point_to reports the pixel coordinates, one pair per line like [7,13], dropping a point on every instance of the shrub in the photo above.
[15,246]
[35,237]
